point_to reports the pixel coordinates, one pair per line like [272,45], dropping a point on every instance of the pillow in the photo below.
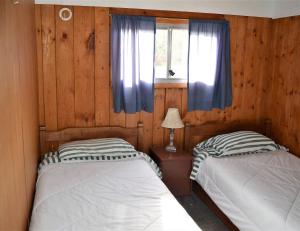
[95,147]
[241,142]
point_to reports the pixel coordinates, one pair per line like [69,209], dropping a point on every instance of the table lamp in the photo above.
[172,121]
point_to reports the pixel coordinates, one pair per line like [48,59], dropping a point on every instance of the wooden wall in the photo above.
[284,99]
[74,76]
[19,113]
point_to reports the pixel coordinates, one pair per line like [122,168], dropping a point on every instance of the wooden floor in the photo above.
[201,214]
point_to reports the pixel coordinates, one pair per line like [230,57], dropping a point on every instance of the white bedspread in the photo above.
[257,191]
[110,195]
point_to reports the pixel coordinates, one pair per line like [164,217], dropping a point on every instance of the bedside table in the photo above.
[176,168]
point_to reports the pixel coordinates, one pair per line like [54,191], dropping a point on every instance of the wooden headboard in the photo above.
[49,140]
[196,134]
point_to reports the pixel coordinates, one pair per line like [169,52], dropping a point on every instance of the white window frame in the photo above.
[169,78]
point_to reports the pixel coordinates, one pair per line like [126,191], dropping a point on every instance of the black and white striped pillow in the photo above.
[53,158]
[238,143]
[94,148]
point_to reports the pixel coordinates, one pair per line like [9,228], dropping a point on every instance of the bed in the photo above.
[249,192]
[121,194]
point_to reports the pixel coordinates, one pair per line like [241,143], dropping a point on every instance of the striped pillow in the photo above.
[94,148]
[241,142]
[236,143]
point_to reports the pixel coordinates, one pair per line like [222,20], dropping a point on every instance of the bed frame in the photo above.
[196,134]
[49,140]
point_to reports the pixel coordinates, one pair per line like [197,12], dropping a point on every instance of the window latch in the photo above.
[171,72]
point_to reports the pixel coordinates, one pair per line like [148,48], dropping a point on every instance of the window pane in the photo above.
[179,54]
[161,53]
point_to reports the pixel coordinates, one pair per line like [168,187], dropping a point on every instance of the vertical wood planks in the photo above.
[238,26]
[294,86]
[294,92]
[19,117]
[250,70]
[285,96]
[131,120]
[282,73]
[287,65]
[65,71]
[12,177]
[39,51]
[273,99]
[28,94]
[84,58]
[102,69]
[147,119]
[49,66]
[265,68]
[158,117]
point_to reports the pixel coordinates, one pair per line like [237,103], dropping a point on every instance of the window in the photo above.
[171,52]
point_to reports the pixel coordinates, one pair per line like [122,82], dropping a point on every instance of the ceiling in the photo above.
[259,8]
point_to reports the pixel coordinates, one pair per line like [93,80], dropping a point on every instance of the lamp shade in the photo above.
[172,119]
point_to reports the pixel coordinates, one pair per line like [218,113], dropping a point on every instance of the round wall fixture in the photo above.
[15,2]
[65,14]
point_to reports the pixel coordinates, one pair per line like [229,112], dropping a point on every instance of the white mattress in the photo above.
[110,195]
[257,191]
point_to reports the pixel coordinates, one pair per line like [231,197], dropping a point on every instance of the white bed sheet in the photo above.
[257,191]
[110,195]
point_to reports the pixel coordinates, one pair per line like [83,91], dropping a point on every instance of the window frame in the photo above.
[170,26]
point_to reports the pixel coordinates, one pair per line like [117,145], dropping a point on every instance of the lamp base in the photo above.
[171,148]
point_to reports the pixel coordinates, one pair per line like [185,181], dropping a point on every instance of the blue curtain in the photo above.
[209,72]
[132,59]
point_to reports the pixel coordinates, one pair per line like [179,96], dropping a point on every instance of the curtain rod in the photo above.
[164,17]
[171,17]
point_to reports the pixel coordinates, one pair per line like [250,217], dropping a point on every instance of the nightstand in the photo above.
[176,168]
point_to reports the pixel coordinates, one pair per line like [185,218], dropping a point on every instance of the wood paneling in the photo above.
[19,114]
[28,93]
[49,66]
[93,95]
[102,70]
[284,99]
[147,119]
[40,75]
[65,87]
[49,140]
[84,60]
[158,116]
